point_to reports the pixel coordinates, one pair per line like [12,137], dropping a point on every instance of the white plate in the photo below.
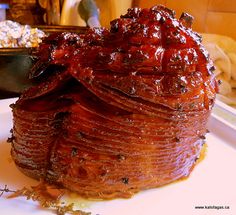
[212,182]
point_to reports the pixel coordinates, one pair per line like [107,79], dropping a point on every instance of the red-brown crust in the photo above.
[116,111]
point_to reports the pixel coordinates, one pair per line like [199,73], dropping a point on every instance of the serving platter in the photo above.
[210,189]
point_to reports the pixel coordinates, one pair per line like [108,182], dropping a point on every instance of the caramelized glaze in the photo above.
[116,111]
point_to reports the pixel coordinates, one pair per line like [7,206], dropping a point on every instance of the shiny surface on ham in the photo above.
[116,111]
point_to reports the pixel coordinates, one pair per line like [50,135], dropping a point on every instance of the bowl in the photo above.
[15,63]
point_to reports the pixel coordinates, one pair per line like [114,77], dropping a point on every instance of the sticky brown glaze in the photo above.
[116,111]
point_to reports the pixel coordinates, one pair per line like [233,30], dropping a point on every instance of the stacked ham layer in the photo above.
[116,111]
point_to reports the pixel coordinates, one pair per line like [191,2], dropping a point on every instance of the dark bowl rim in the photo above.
[47,29]
[61,28]
[16,51]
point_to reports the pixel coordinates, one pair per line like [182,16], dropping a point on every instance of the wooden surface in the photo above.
[211,16]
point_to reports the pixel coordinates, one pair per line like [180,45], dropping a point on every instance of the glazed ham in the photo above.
[116,111]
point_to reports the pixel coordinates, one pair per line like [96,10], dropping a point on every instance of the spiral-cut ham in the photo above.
[116,111]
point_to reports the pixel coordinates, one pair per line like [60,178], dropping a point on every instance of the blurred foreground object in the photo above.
[75,11]
[25,12]
[3,7]
[70,15]
[89,13]
[53,12]
[222,50]
[80,13]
